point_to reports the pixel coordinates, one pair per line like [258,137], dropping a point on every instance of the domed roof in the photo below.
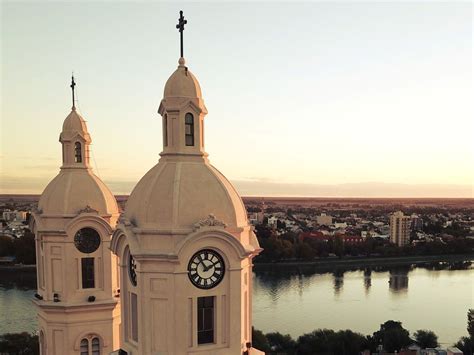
[178,194]
[73,190]
[182,83]
[74,122]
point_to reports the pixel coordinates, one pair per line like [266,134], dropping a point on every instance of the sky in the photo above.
[354,99]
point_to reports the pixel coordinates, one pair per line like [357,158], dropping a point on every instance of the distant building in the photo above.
[272,221]
[416,222]
[352,239]
[400,229]
[324,220]
[255,218]
[340,225]
[315,236]
[14,216]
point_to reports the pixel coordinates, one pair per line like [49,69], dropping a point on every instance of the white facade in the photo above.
[179,213]
[76,272]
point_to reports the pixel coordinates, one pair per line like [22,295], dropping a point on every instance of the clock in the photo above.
[87,240]
[132,270]
[206,269]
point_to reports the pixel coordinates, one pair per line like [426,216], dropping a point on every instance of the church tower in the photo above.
[184,243]
[77,298]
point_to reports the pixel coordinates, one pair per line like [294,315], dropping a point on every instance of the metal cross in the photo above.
[180,27]
[73,84]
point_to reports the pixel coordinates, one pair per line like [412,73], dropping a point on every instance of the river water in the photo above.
[297,303]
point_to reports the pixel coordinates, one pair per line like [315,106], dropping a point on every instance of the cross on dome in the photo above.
[72,86]
[180,27]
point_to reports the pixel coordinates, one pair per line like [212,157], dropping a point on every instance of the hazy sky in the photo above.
[317,94]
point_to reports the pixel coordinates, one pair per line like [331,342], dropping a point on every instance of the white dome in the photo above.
[73,190]
[74,122]
[178,194]
[182,83]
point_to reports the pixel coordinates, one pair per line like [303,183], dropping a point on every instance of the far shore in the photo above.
[324,264]
[328,264]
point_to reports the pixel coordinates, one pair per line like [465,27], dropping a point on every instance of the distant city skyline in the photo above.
[311,99]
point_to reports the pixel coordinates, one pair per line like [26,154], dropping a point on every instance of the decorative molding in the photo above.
[88,209]
[210,221]
[124,220]
[37,210]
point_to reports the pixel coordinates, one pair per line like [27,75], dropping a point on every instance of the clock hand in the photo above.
[206,268]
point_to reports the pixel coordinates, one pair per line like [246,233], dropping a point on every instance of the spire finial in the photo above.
[180,27]
[72,86]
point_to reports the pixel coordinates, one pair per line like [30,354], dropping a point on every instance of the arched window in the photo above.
[78,152]
[90,346]
[95,346]
[165,130]
[189,129]
[84,347]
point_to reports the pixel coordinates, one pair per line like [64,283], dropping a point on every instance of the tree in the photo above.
[470,323]
[25,251]
[316,342]
[339,246]
[19,344]
[259,341]
[392,336]
[466,345]
[280,343]
[6,246]
[426,339]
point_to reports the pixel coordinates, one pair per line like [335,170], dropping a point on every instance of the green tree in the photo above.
[259,340]
[339,246]
[6,246]
[426,339]
[316,342]
[19,344]
[470,323]
[25,251]
[281,344]
[392,336]
[466,345]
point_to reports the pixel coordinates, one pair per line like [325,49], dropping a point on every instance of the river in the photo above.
[295,303]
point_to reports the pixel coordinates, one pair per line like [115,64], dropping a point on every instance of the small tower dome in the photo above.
[182,83]
[76,186]
[183,187]
[74,122]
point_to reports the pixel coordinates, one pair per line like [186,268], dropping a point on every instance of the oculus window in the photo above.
[87,240]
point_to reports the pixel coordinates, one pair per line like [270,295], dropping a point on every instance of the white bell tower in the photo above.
[184,243]
[77,298]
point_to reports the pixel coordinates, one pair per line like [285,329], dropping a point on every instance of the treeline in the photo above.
[23,248]
[390,337]
[289,246]
[19,344]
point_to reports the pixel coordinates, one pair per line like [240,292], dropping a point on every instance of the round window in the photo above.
[87,240]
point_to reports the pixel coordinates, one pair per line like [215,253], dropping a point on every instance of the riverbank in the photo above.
[329,264]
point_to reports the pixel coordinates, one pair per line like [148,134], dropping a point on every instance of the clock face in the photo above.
[87,240]
[206,269]
[132,270]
